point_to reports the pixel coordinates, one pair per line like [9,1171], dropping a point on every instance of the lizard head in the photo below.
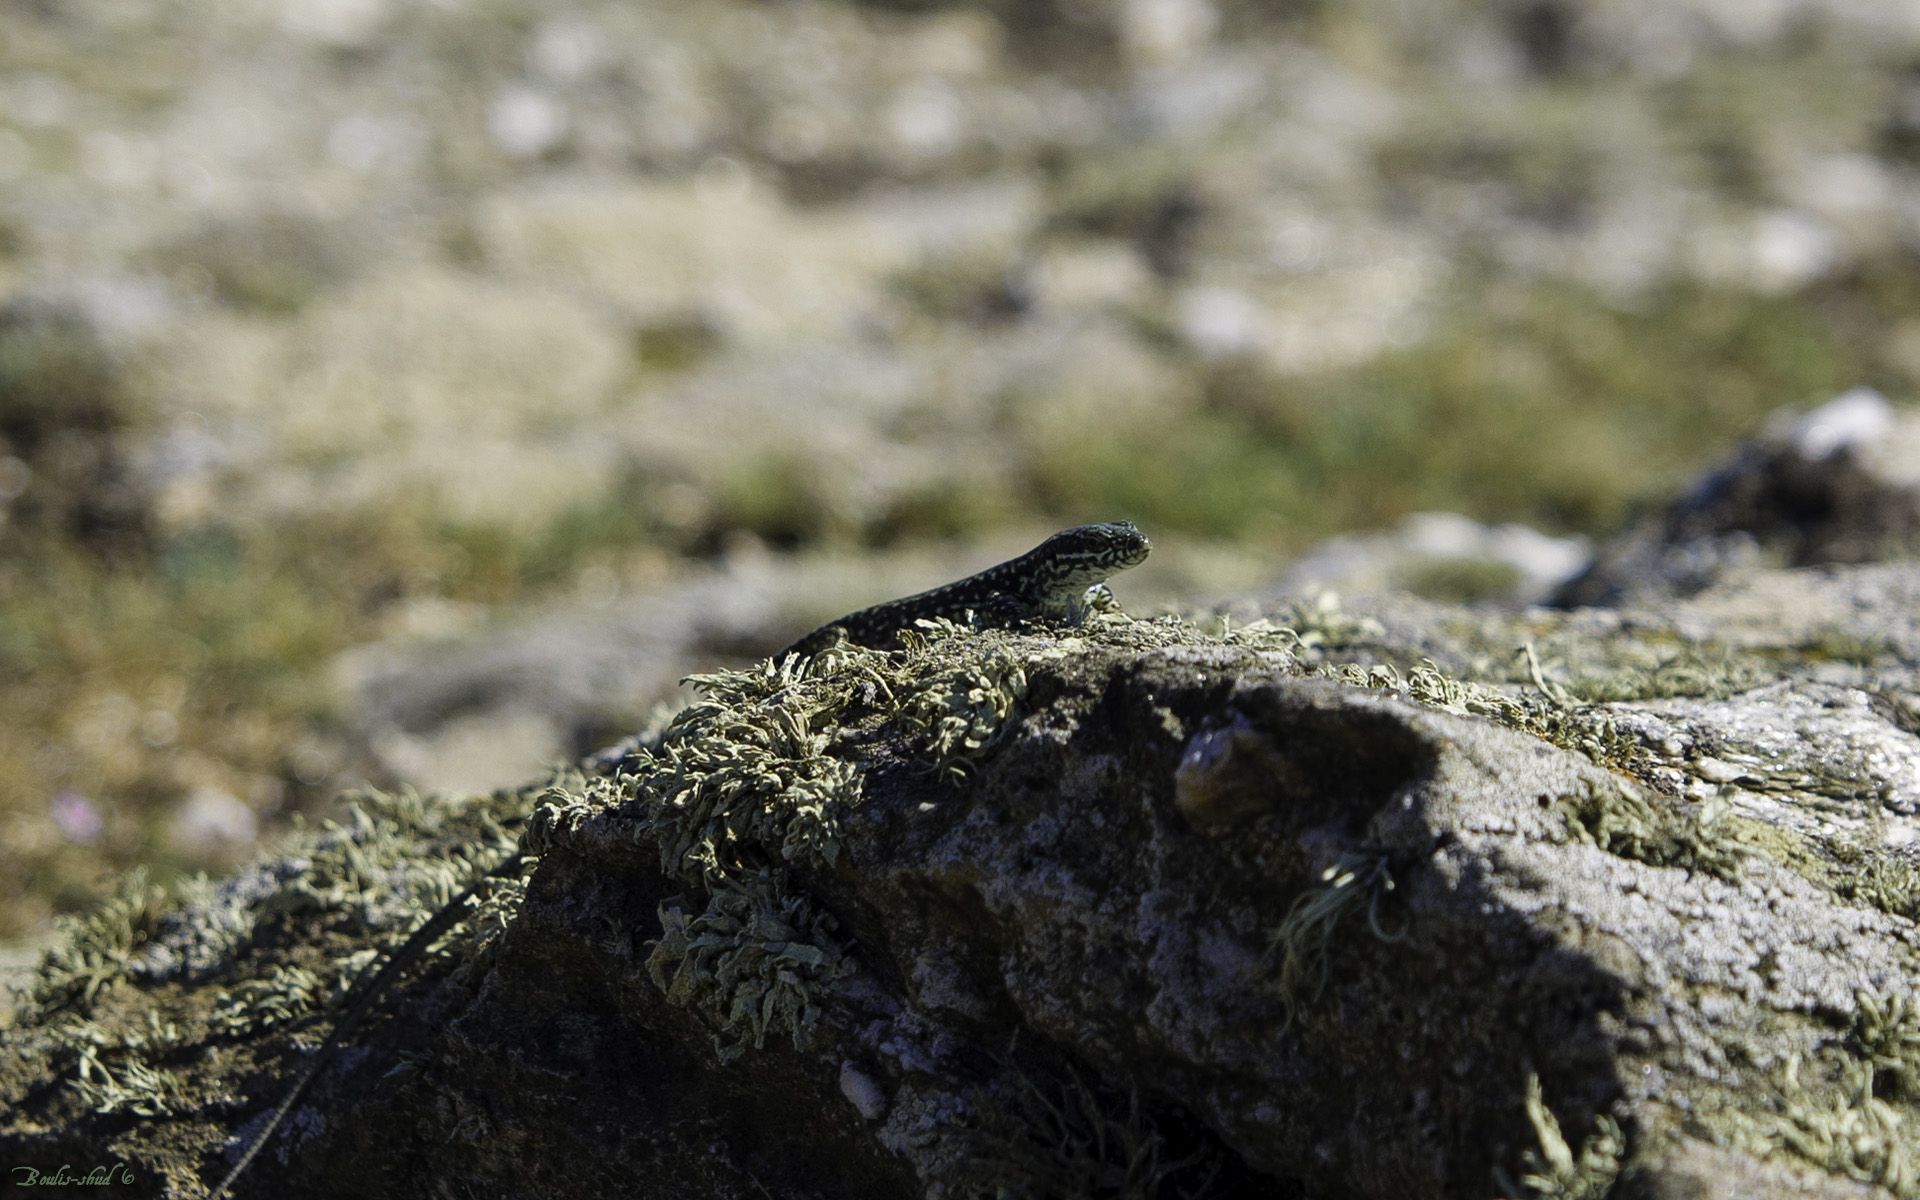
[1104,548]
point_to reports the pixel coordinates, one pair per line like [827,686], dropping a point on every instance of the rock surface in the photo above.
[1363,905]
[1840,484]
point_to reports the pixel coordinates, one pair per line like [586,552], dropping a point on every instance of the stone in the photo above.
[1146,910]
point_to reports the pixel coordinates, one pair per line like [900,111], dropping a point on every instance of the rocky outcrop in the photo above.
[1363,904]
[1839,484]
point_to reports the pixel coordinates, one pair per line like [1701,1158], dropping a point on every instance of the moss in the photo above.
[982,289]
[945,508]
[56,377]
[1858,647]
[1140,197]
[1637,395]
[783,499]
[274,263]
[676,345]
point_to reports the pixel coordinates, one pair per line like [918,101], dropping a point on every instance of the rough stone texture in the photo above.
[1840,484]
[1141,910]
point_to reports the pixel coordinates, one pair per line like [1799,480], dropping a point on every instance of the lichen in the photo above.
[131,1085]
[1551,714]
[285,993]
[1320,623]
[1839,1125]
[750,784]
[729,783]
[1885,1035]
[110,1067]
[1848,1106]
[1555,1171]
[1622,819]
[961,715]
[1649,666]
[750,963]
[92,950]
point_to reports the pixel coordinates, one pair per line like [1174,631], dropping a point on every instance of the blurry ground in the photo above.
[413,389]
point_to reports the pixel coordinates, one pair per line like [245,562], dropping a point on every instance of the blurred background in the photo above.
[411,391]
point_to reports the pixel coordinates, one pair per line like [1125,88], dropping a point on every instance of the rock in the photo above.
[1159,33]
[211,824]
[1445,556]
[1131,909]
[526,122]
[1839,484]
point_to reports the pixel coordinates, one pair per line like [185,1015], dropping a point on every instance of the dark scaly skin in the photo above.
[1049,581]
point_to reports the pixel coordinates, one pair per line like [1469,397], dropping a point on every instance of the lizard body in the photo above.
[1049,581]
[1052,580]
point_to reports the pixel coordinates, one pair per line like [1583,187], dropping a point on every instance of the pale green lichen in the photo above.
[111,1071]
[1624,820]
[740,782]
[962,714]
[750,963]
[1846,1107]
[1577,670]
[1318,622]
[397,856]
[1883,877]
[1552,715]
[1839,1125]
[1555,1171]
[129,1086]
[1885,1035]
[750,784]
[285,993]
[92,950]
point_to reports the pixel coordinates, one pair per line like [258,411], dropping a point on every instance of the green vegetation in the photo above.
[1540,403]
[743,787]
[147,660]
[100,1011]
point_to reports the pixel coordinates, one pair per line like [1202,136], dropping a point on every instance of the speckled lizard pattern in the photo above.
[1051,581]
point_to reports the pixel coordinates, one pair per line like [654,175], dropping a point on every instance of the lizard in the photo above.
[1062,578]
